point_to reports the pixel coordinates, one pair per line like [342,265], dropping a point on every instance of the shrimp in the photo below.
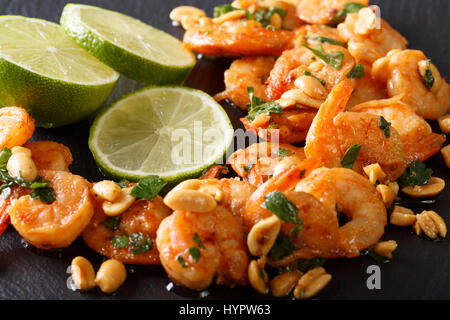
[236,38]
[293,63]
[322,11]
[258,161]
[334,131]
[56,224]
[418,139]
[16,127]
[375,43]
[50,155]
[5,204]
[142,218]
[314,35]
[223,254]
[400,71]
[245,73]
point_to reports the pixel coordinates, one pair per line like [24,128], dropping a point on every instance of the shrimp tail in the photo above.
[424,148]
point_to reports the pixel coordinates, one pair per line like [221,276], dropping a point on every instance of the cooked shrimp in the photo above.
[258,161]
[223,253]
[400,71]
[419,141]
[5,203]
[142,218]
[245,73]
[16,127]
[333,132]
[314,35]
[374,44]
[366,89]
[293,63]
[236,38]
[322,11]
[50,155]
[56,224]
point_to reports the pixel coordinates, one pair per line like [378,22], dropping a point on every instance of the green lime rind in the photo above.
[123,60]
[118,174]
[53,102]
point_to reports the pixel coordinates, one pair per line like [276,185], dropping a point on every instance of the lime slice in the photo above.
[43,70]
[128,45]
[172,132]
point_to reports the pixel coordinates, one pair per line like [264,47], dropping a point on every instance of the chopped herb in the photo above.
[282,247]
[265,108]
[349,7]
[282,153]
[120,241]
[46,194]
[329,41]
[350,156]
[148,188]
[249,167]
[254,100]
[333,59]
[304,265]
[428,76]
[111,223]
[261,273]
[181,261]
[5,154]
[123,183]
[307,73]
[225,8]
[263,16]
[376,183]
[284,209]
[417,175]
[357,72]
[384,125]
[195,253]
[141,243]
[197,240]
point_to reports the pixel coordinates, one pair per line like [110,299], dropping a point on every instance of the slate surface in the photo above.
[419,269]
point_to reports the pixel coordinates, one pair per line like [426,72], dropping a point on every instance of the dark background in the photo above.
[419,270]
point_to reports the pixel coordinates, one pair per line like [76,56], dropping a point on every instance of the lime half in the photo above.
[172,132]
[43,70]
[128,45]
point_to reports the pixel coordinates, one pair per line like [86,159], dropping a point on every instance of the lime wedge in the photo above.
[172,132]
[43,70]
[128,45]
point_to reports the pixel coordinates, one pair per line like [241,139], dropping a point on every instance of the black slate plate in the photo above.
[420,266]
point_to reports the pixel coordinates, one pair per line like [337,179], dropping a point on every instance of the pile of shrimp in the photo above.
[341,104]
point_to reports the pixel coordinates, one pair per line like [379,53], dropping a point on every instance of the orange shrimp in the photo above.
[50,155]
[16,127]
[142,218]
[322,11]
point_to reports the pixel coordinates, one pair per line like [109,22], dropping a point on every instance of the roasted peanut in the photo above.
[120,205]
[444,123]
[262,236]
[446,155]
[311,87]
[83,274]
[107,190]
[366,22]
[433,188]
[21,164]
[182,11]
[257,276]
[431,224]
[232,15]
[311,283]
[190,200]
[385,248]
[375,173]
[111,275]
[283,283]
[387,194]
[402,217]
[301,98]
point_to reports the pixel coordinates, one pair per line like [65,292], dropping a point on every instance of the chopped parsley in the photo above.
[307,73]
[225,8]
[428,76]
[111,223]
[195,253]
[350,156]
[329,41]
[120,242]
[283,208]
[384,125]
[41,189]
[136,242]
[357,72]
[304,264]
[263,16]
[282,153]
[349,7]
[333,59]
[282,247]
[417,175]
[181,261]
[257,106]
[148,188]
[197,240]
[248,167]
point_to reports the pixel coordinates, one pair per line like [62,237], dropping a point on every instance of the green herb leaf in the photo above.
[248,167]
[384,125]
[304,265]
[195,253]
[5,154]
[225,8]
[263,16]
[197,240]
[181,261]
[428,76]
[46,194]
[350,156]
[111,223]
[120,241]
[141,243]
[148,188]
[357,72]
[265,108]
[282,247]
[417,175]
[329,41]
[282,207]
[307,73]
[283,153]
[333,59]
[254,100]
[349,7]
